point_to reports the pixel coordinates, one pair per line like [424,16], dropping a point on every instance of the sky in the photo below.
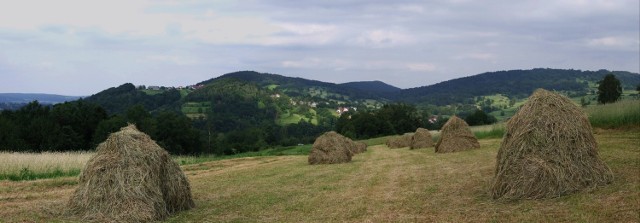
[80,47]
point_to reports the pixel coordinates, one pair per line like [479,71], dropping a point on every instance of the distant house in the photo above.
[341,110]
[155,88]
[433,119]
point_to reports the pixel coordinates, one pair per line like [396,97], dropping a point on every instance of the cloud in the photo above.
[169,42]
[615,42]
[426,67]
[178,60]
[316,63]
[384,38]
[476,56]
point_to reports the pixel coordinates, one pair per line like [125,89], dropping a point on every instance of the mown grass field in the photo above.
[381,185]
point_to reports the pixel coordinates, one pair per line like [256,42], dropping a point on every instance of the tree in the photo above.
[609,89]
[479,117]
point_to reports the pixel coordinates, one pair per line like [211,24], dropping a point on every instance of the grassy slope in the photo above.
[380,185]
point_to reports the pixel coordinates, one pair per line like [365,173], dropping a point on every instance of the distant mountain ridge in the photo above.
[511,83]
[29,97]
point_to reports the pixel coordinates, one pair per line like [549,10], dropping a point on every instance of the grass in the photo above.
[495,131]
[279,151]
[32,166]
[624,113]
[380,185]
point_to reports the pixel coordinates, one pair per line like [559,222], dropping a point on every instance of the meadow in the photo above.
[622,114]
[32,166]
[380,185]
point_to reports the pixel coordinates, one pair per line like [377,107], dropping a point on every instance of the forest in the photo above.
[250,111]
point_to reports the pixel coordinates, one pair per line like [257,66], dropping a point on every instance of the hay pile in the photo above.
[130,179]
[455,136]
[421,139]
[360,148]
[332,147]
[548,151]
[399,141]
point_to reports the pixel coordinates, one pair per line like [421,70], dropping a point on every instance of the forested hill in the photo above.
[118,99]
[297,87]
[377,87]
[513,83]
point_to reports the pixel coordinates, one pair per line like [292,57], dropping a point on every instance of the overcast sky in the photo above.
[80,47]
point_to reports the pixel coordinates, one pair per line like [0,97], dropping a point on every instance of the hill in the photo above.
[513,84]
[298,87]
[117,100]
[376,87]
[12,101]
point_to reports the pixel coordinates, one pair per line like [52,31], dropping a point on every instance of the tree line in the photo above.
[241,117]
[81,125]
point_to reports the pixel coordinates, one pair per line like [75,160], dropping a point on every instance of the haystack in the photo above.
[399,141]
[130,179]
[360,147]
[548,150]
[421,139]
[331,147]
[455,136]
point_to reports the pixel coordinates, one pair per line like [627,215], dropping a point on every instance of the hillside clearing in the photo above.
[380,185]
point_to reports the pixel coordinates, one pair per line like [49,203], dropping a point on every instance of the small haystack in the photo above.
[400,141]
[455,136]
[421,139]
[332,147]
[130,179]
[548,151]
[360,147]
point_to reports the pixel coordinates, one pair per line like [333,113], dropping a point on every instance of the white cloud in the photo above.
[315,63]
[178,60]
[425,67]
[615,42]
[411,8]
[380,38]
[476,56]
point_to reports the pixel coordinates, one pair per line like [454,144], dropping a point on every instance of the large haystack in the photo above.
[421,139]
[455,136]
[400,141]
[130,179]
[548,151]
[332,147]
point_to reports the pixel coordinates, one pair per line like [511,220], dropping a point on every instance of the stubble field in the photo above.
[381,185]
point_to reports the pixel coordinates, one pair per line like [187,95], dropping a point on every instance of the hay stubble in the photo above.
[380,185]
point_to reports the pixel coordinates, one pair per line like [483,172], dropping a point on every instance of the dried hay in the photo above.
[548,151]
[421,139]
[360,147]
[130,179]
[330,148]
[456,136]
[400,141]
